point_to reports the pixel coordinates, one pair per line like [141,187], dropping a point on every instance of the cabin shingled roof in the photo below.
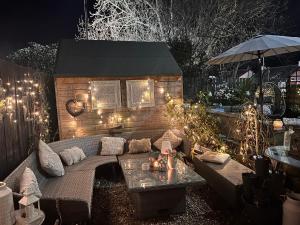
[82,58]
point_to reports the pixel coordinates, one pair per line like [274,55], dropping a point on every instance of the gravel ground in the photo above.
[204,207]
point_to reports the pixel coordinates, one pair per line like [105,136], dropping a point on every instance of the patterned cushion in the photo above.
[139,146]
[168,136]
[28,180]
[50,161]
[112,146]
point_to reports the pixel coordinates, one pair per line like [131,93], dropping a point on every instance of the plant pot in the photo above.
[262,166]
[291,211]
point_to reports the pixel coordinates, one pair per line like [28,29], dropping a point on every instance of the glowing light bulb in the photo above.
[161,90]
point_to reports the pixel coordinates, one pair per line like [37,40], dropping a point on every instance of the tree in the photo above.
[37,56]
[194,29]
[125,20]
[41,58]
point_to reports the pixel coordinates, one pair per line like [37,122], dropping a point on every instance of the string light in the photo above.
[24,98]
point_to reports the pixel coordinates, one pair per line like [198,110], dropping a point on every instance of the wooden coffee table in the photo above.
[155,193]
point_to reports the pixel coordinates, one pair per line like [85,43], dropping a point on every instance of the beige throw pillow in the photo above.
[112,146]
[139,146]
[72,155]
[50,161]
[66,156]
[168,136]
[28,180]
[214,157]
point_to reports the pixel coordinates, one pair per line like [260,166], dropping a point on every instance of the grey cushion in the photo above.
[50,161]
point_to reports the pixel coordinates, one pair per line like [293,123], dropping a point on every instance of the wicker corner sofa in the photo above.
[70,196]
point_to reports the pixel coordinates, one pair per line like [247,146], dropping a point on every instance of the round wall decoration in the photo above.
[74,107]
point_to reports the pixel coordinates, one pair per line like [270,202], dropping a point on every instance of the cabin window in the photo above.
[140,93]
[106,94]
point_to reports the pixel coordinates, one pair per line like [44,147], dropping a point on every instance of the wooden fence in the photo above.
[15,133]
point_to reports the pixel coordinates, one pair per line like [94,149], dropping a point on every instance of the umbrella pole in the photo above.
[261,97]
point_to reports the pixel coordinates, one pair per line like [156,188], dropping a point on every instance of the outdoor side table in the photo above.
[37,221]
[279,154]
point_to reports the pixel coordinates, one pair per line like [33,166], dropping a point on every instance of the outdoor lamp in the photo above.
[26,205]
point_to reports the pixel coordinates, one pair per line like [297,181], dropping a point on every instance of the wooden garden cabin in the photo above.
[108,84]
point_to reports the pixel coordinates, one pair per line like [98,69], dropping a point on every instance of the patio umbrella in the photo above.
[257,48]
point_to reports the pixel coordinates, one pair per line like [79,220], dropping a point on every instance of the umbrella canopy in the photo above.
[247,75]
[258,47]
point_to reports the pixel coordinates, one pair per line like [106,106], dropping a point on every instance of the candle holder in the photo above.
[277,124]
[172,159]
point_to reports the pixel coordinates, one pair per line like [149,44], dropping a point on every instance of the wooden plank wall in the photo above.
[15,144]
[88,122]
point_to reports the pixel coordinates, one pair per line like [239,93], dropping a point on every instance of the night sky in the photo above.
[48,21]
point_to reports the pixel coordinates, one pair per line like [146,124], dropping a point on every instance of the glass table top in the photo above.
[279,154]
[141,180]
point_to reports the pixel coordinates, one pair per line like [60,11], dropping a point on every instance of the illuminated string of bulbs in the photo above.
[115,119]
[25,98]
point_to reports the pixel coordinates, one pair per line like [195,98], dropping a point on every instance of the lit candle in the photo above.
[155,164]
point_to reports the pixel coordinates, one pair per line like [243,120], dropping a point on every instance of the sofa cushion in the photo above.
[139,146]
[50,161]
[168,136]
[73,186]
[28,180]
[66,157]
[112,145]
[72,155]
[186,145]
[91,163]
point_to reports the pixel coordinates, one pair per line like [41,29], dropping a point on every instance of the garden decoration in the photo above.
[75,108]
[257,48]
[199,126]
[158,163]
[252,133]
[27,213]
